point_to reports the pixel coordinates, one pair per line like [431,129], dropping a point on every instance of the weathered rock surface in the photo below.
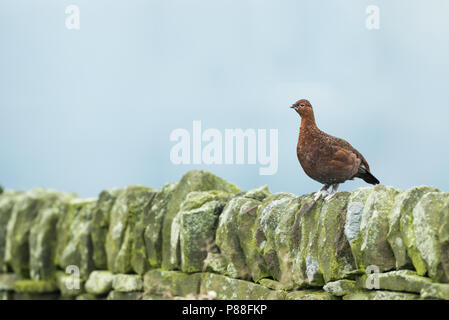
[68,285]
[100,226]
[171,283]
[191,181]
[99,282]
[435,291]
[203,238]
[125,213]
[26,209]
[78,248]
[341,287]
[127,283]
[234,289]
[401,280]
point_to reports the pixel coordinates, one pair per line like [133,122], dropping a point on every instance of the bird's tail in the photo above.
[367,176]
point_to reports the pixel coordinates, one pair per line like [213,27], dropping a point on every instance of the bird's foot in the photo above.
[320,193]
[330,196]
[333,193]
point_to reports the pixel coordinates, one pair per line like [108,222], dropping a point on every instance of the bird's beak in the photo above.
[293,106]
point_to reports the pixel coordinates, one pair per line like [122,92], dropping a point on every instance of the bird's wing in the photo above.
[347,146]
[338,163]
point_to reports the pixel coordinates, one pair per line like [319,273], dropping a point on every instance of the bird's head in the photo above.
[303,108]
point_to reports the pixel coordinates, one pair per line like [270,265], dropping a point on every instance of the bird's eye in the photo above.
[302,105]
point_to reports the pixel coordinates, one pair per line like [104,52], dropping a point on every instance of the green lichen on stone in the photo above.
[68,285]
[273,284]
[306,235]
[198,218]
[156,297]
[401,235]
[400,280]
[380,295]
[171,283]
[430,224]
[25,211]
[117,295]
[31,286]
[276,236]
[139,257]
[252,240]
[310,295]
[124,215]
[99,282]
[88,296]
[152,222]
[7,200]
[435,291]
[78,249]
[341,287]
[234,289]
[227,236]
[375,249]
[7,281]
[43,244]
[43,240]
[127,283]
[196,180]
[368,211]
[258,194]
[334,252]
[216,263]
[100,226]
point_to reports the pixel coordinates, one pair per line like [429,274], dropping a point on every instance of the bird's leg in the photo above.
[322,192]
[332,194]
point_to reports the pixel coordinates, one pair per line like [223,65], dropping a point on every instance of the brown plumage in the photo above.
[325,158]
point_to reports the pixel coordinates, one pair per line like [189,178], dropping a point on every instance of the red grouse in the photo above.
[327,159]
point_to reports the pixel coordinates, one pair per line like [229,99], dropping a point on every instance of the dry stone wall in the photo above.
[204,238]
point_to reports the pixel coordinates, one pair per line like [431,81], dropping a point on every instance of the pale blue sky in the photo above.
[92,109]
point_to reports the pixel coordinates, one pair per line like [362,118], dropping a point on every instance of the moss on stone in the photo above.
[127,283]
[198,218]
[152,221]
[7,200]
[401,280]
[435,291]
[31,286]
[88,296]
[258,194]
[78,243]
[100,226]
[341,287]
[7,281]
[429,215]
[118,295]
[171,283]
[380,295]
[124,216]
[67,285]
[401,232]
[310,295]
[25,211]
[234,289]
[195,180]
[99,282]
[227,237]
